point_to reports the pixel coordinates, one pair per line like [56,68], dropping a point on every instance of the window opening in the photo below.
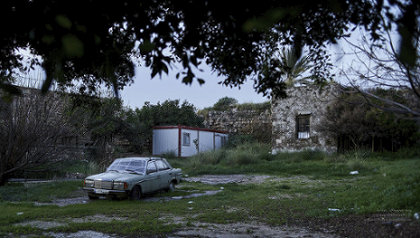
[186,140]
[303,126]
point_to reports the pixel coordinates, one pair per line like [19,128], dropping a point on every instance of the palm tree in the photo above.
[293,67]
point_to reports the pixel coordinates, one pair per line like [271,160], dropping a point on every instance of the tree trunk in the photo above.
[3,179]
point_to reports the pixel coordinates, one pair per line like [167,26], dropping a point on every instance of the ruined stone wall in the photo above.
[302,100]
[236,121]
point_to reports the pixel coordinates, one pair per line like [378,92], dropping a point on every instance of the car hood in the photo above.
[116,176]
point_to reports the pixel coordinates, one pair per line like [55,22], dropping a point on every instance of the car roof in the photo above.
[139,158]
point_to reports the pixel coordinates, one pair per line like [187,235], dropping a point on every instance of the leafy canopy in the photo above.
[89,43]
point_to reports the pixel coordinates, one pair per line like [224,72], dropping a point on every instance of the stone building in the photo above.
[296,119]
[237,121]
[242,121]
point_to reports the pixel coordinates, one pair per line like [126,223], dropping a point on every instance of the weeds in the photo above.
[356,164]
[41,192]
[303,186]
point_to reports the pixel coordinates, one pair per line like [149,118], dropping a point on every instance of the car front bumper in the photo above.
[106,192]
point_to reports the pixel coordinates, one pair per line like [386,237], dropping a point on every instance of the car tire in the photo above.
[135,193]
[92,197]
[171,187]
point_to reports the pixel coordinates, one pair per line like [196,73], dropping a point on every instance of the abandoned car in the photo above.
[133,177]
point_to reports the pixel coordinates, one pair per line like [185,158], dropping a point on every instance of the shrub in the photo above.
[211,157]
[237,140]
[355,164]
[312,155]
[169,155]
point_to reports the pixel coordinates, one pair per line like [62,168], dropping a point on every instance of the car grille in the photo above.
[103,184]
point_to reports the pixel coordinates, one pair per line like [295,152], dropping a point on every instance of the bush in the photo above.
[169,155]
[212,158]
[244,154]
[355,164]
[357,125]
[312,155]
[238,140]
[241,158]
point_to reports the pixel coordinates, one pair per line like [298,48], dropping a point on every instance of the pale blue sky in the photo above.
[168,87]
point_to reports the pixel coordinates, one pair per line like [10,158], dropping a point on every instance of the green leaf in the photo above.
[165,68]
[154,72]
[63,21]
[200,81]
[187,79]
[72,46]
[146,47]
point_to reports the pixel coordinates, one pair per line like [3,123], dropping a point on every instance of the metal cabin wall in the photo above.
[218,140]
[191,149]
[165,140]
[206,141]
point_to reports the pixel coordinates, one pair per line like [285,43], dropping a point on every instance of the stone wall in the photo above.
[237,121]
[303,100]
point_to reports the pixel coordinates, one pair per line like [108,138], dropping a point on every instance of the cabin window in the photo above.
[186,139]
[303,126]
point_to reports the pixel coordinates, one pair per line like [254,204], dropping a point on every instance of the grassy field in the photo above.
[303,188]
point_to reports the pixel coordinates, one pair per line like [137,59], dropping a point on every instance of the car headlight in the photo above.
[120,185]
[89,183]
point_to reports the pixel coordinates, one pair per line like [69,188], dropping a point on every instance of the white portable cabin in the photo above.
[186,141]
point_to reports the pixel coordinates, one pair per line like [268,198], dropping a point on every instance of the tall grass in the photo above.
[256,158]
[41,192]
[65,169]
[244,154]
[384,181]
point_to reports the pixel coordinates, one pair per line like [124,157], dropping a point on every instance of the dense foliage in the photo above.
[93,42]
[356,124]
[228,103]
[224,103]
[110,122]
[170,112]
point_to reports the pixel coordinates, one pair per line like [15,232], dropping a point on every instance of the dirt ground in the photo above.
[239,230]
[225,179]
[373,225]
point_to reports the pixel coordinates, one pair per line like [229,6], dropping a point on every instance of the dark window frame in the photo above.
[303,126]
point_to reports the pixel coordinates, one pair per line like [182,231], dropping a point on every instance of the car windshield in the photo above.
[136,166]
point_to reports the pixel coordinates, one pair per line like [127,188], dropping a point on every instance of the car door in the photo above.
[164,174]
[151,181]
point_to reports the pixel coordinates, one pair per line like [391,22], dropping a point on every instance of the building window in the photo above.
[302,126]
[186,139]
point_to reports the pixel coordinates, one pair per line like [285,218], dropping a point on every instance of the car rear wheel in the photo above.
[135,193]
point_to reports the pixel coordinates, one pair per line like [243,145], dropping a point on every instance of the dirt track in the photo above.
[374,225]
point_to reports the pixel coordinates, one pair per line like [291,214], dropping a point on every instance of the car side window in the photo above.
[161,165]
[151,167]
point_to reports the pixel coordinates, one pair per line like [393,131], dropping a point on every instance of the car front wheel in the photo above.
[135,193]
[171,187]
[92,197]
